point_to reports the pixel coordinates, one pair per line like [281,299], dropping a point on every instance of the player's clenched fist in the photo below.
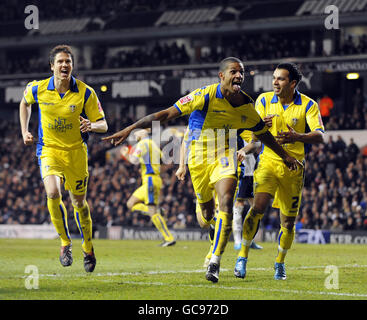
[181,173]
[28,138]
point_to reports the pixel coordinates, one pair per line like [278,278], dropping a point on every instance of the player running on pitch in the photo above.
[296,122]
[146,198]
[68,110]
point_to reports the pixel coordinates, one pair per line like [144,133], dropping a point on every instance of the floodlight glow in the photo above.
[352,76]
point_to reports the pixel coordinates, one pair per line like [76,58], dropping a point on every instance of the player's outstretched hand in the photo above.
[290,136]
[119,137]
[28,138]
[181,173]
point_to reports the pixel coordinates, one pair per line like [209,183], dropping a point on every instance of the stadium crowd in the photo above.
[247,47]
[171,53]
[335,193]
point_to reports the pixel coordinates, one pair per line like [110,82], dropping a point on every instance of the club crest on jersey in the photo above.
[294,121]
[243,118]
[185,99]
[72,108]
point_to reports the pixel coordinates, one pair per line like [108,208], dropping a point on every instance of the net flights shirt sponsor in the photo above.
[59,114]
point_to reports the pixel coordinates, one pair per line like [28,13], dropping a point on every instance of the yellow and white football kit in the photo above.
[148,193]
[212,137]
[149,156]
[212,145]
[61,147]
[272,175]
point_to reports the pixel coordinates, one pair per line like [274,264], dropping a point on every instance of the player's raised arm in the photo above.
[24,117]
[145,122]
[181,171]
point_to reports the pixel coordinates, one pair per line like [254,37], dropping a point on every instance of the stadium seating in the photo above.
[334,189]
[335,193]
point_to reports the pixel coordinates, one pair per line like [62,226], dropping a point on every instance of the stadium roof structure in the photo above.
[235,17]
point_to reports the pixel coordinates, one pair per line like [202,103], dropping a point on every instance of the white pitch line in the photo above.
[154,272]
[114,274]
[332,293]
[157,272]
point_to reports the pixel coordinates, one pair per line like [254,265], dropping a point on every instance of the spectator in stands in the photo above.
[352,150]
[350,224]
[326,104]
[106,188]
[358,100]
[336,225]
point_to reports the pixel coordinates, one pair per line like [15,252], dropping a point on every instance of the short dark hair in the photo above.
[294,73]
[224,63]
[60,48]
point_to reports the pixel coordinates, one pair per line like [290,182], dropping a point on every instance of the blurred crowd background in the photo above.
[335,192]
[334,197]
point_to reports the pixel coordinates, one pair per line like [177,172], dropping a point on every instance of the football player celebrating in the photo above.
[296,122]
[215,110]
[68,110]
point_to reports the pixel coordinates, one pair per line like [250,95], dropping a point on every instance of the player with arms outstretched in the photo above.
[215,110]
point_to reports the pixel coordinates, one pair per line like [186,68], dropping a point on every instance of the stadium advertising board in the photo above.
[152,234]
[172,84]
[355,237]
[28,231]
[341,66]
[311,236]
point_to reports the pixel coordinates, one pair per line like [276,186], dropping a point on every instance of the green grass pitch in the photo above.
[141,270]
